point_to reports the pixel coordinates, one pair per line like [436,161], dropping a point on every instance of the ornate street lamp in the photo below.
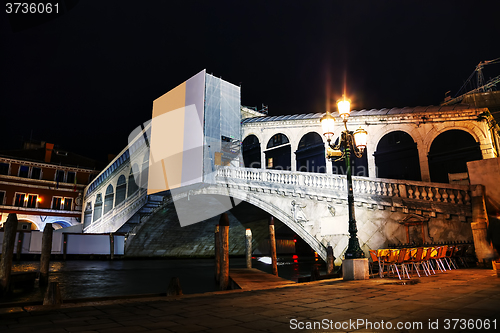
[349,142]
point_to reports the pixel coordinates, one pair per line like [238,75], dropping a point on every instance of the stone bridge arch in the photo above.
[278,212]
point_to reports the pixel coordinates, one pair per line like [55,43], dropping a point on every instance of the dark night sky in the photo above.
[86,79]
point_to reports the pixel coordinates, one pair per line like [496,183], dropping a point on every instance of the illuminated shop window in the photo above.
[68,203]
[56,202]
[19,199]
[32,200]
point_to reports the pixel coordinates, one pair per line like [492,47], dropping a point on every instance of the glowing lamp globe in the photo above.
[327,123]
[360,138]
[344,108]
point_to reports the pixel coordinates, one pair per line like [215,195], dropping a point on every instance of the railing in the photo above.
[432,192]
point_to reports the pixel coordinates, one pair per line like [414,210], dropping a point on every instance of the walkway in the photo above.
[254,279]
[459,294]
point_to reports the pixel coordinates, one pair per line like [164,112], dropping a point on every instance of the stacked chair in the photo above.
[428,260]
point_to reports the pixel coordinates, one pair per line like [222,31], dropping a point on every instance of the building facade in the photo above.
[43,185]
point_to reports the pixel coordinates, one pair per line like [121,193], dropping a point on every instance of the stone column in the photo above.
[372,168]
[424,162]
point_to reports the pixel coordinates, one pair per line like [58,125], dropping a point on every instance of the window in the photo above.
[98,207]
[4,169]
[108,199]
[87,219]
[71,177]
[60,176]
[68,203]
[56,202]
[24,171]
[2,198]
[121,188]
[19,199]
[36,173]
[32,200]
[132,185]
[270,163]
[25,227]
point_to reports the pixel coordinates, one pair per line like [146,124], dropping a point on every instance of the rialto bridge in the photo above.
[401,188]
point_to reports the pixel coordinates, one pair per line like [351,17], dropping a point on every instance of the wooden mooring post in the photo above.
[111,246]
[248,247]
[53,295]
[174,288]
[45,256]
[330,260]
[19,249]
[9,238]
[224,252]
[272,245]
[217,253]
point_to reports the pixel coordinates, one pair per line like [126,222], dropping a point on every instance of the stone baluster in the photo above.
[396,190]
[389,185]
[438,195]
[445,195]
[410,192]
[452,196]
[431,195]
[424,193]
[417,193]
[384,189]
[459,198]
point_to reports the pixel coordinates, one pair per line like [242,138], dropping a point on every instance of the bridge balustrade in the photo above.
[297,181]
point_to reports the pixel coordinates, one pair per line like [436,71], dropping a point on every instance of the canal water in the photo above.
[92,278]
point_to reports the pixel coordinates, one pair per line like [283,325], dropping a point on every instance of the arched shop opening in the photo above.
[310,154]
[278,153]
[397,157]
[449,153]
[251,152]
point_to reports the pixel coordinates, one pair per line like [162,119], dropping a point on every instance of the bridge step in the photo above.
[254,279]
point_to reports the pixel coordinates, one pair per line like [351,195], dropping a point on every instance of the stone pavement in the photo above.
[469,294]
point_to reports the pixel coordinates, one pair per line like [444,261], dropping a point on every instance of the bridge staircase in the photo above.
[128,214]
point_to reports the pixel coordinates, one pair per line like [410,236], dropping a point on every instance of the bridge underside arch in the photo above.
[162,235]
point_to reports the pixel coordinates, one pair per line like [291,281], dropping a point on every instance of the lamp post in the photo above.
[354,142]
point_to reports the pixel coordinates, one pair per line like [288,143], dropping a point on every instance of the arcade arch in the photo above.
[310,154]
[278,153]
[396,157]
[449,153]
[251,152]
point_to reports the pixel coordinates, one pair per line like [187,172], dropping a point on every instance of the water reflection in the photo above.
[85,279]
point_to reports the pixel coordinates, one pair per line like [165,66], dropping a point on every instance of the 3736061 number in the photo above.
[31,8]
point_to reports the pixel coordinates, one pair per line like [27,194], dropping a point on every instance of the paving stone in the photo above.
[466,293]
